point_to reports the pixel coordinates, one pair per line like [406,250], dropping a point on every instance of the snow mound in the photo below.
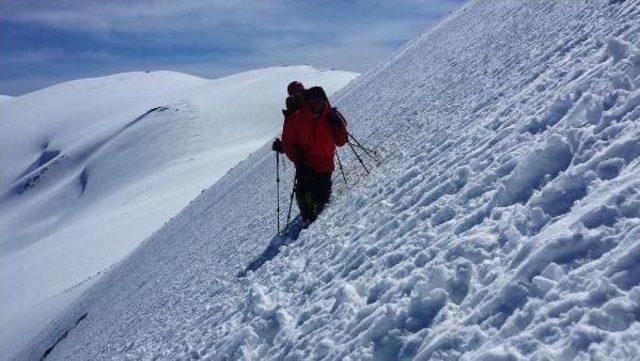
[502,222]
[92,167]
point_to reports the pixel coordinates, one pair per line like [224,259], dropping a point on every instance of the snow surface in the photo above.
[502,222]
[92,167]
[5,98]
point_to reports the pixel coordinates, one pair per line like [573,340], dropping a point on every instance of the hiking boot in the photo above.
[306,222]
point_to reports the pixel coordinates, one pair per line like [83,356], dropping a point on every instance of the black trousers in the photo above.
[313,191]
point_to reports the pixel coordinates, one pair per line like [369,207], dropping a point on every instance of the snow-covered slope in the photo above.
[502,222]
[92,167]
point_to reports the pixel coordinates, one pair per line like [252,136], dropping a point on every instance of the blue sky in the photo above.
[46,42]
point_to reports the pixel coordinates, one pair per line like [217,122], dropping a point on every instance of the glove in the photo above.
[277,146]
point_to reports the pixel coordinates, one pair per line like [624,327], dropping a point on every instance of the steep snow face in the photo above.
[501,222]
[92,167]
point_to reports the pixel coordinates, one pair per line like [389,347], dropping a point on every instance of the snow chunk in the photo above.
[618,48]
[610,168]
[535,169]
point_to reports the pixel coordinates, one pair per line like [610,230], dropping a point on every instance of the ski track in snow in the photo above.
[501,224]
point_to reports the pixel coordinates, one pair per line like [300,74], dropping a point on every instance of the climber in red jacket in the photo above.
[309,138]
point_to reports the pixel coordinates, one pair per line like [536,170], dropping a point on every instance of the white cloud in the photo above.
[226,35]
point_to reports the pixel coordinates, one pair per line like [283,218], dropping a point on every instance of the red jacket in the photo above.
[311,141]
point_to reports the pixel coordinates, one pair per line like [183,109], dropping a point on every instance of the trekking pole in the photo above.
[278,185]
[359,159]
[295,182]
[358,142]
[340,164]
[368,151]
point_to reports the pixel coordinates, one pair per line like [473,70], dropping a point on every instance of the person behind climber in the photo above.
[309,137]
[296,90]
[295,99]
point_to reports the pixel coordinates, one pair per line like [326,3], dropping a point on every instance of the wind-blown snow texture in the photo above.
[502,223]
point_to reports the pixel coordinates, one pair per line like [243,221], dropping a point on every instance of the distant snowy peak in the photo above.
[117,81]
[50,119]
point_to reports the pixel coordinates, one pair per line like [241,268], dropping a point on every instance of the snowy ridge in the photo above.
[502,224]
[92,167]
